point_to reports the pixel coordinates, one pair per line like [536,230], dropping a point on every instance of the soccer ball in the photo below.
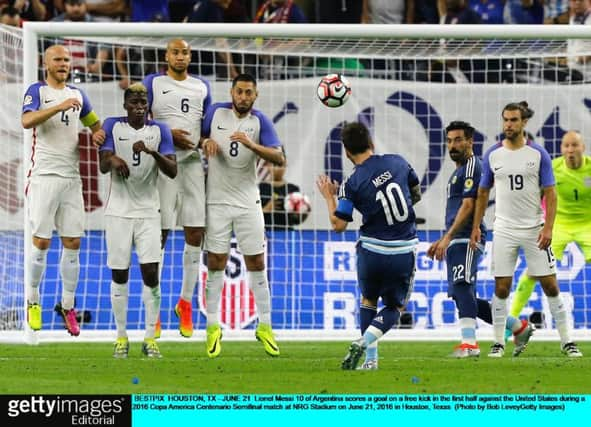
[333,90]
[297,203]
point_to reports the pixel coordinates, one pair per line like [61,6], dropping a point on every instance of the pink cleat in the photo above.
[69,318]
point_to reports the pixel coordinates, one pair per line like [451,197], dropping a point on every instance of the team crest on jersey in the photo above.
[468,184]
[531,164]
[28,100]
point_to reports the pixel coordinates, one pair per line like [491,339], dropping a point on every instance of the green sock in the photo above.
[525,287]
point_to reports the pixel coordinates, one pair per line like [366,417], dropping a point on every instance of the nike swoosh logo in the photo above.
[123,139]
[47,101]
[164,92]
[221,128]
[500,167]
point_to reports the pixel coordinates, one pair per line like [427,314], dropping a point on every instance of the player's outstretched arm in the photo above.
[30,119]
[328,189]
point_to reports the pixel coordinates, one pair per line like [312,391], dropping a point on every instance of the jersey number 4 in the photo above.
[394,203]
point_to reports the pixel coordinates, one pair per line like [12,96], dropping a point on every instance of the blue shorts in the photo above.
[389,276]
[462,264]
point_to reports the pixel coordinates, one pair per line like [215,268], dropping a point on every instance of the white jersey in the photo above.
[55,141]
[179,104]
[519,177]
[136,196]
[231,174]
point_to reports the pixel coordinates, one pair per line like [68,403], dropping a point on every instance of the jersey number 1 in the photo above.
[394,203]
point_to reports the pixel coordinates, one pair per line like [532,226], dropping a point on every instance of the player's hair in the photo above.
[460,125]
[135,89]
[244,77]
[526,112]
[356,138]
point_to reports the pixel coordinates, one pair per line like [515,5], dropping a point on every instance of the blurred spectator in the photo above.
[273,194]
[280,12]
[530,12]
[87,57]
[490,11]
[212,11]
[387,12]
[425,12]
[180,9]
[107,10]
[10,16]
[31,10]
[339,11]
[149,11]
[458,12]
[581,15]
[556,12]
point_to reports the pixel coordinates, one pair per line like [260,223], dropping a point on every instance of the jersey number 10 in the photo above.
[394,203]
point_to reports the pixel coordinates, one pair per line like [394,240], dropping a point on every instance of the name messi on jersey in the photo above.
[379,180]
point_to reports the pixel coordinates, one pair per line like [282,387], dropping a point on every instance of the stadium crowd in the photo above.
[129,64]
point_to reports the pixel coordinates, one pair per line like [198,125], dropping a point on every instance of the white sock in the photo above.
[257,280]
[213,292]
[558,310]
[119,301]
[37,264]
[151,298]
[468,330]
[499,313]
[70,272]
[160,265]
[191,258]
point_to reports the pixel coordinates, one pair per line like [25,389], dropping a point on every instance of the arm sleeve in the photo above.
[344,209]
[206,126]
[471,179]
[166,146]
[108,145]
[148,84]
[268,137]
[546,171]
[31,101]
[486,178]
[87,116]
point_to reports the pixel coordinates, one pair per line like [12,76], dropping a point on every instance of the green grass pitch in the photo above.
[303,367]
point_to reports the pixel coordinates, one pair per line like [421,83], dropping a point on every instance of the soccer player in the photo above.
[234,136]
[133,152]
[54,190]
[521,170]
[383,188]
[181,100]
[573,221]
[462,260]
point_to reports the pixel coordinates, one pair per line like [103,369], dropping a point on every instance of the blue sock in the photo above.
[385,319]
[366,315]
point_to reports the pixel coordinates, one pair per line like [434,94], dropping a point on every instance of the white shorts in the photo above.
[122,234]
[55,202]
[248,226]
[182,199]
[506,244]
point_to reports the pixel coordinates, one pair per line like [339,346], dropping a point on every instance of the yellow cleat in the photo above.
[121,349]
[150,349]
[213,341]
[264,334]
[184,312]
[34,316]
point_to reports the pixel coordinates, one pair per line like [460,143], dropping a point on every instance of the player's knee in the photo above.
[216,262]
[72,243]
[194,235]
[120,276]
[369,302]
[41,244]
[255,262]
[392,302]
[150,274]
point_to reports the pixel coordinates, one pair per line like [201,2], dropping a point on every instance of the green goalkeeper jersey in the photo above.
[573,188]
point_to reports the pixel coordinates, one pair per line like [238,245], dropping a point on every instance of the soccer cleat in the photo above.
[158,329]
[264,334]
[184,312]
[213,340]
[69,318]
[522,337]
[368,365]
[497,350]
[571,350]
[121,349]
[356,350]
[465,350]
[150,349]
[34,316]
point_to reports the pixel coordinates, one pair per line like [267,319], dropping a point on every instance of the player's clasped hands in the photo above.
[181,140]
[328,188]
[70,103]
[242,138]
[139,146]
[210,147]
